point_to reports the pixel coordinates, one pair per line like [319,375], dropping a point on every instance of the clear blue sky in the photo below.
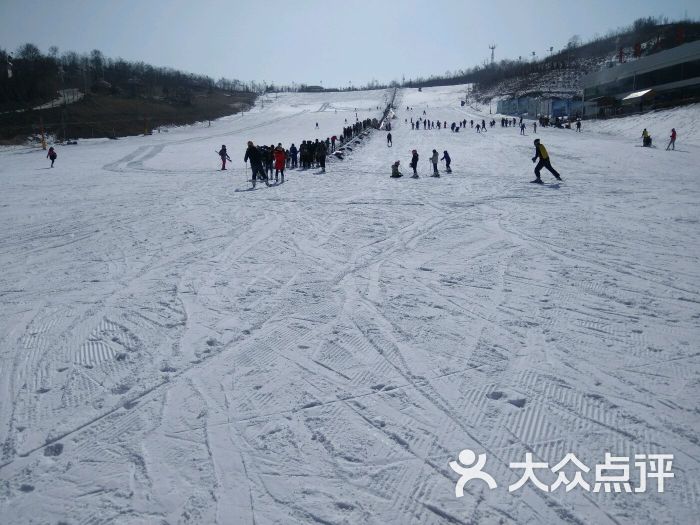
[312,41]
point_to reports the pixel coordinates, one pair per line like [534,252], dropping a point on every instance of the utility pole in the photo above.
[492,47]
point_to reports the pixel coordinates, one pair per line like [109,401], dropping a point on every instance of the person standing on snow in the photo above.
[280,159]
[671,143]
[222,153]
[293,151]
[253,154]
[522,128]
[388,140]
[434,159]
[446,158]
[321,152]
[52,155]
[541,153]
[414,163]
[578,125]
[534,127]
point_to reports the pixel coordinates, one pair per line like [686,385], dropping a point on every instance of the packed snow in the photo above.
[176,348]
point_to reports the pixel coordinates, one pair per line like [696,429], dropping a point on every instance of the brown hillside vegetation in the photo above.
[107,115]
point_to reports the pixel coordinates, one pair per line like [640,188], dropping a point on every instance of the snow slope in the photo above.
[177,349]
[659,123]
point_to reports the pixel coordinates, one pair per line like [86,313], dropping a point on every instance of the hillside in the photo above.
[107,115]
[559,73]
[82,96]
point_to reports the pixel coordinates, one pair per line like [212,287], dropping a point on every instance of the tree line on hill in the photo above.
[28,76]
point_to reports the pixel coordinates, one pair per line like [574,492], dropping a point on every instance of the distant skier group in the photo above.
[434,160]
[647,140]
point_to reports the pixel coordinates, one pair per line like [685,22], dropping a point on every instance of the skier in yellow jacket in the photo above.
[541,153]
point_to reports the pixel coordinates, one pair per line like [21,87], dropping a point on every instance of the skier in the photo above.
[483,125]
[333,139]
[671,143]
[395,173]
[541,153]
[522,128]
[646,138]
[321,152]
[268,155]
[255,157]
[388,140]
[293,151]
[222,153]
[478,128]
[446,158]
[52,155]
[434,159]
[414,163]
[280,158]
[316,125]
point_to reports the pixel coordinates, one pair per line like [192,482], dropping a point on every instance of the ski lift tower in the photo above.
[492,47]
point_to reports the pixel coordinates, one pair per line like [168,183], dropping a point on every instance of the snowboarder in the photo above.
[52,155]
[253,154]
[395,173]
[671,143]
[222,153]
[541,153]
[434,159]
[414,163]
[446,158]
[280,158]
[388,140]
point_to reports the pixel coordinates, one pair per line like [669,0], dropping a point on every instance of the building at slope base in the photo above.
[667,78]
[536,106]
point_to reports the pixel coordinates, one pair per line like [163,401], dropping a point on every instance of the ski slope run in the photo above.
[175,348]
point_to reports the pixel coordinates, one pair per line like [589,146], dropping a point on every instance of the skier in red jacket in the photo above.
[671,143]
[280,159]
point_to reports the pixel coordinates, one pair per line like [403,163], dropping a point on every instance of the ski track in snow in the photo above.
[174,349]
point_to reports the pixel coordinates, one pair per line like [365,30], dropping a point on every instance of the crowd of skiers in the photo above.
[264,160]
